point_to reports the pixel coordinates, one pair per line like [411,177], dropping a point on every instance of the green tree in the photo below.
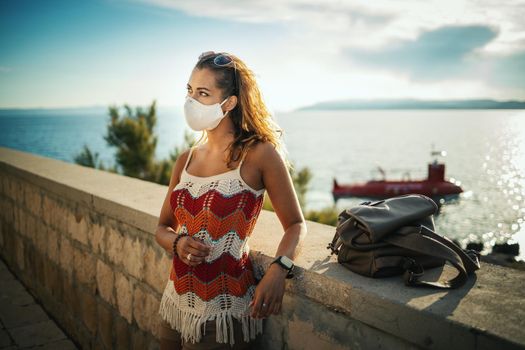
[89,159]
[301,180]
[327,215]
[133,136]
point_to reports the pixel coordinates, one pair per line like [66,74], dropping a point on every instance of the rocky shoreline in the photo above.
[503,260]
[502,254]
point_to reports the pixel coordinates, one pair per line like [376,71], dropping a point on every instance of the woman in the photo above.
[214,295]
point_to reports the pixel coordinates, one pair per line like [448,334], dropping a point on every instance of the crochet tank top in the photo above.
[220,210]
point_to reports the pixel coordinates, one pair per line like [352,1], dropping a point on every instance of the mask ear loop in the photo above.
[223,103]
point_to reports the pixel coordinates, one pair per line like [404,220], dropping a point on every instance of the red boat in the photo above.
[433,186]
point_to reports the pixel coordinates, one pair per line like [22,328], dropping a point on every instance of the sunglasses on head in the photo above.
[222,60]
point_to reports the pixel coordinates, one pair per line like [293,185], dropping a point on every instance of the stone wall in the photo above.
[82,241]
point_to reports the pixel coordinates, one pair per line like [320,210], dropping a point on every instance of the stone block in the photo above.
[89,310]
[9,249]
[8,186]
[70,297]
[313,326]
[12,189]
[15,225]
[66,256]
[3,184]
[77,225]
[60,218]
[275,331]
[52,245]
[10,215]
[52,212]
[106,282]
[32,199]
[39,232]
[123,333]
[71,325]
[97,238]
[24,218]
[48,208]
[52,280]
[8,211]
[36,261]
[30,229]
[145,311]
[157,268]
[139,340]
[133,256]
[114,244]
[303,335]
[18,213]
[19,244]
[105,325]
[85,265]
[124,293]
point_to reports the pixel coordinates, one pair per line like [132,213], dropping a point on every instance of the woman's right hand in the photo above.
[198,250]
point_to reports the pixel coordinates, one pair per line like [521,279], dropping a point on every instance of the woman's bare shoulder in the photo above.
[264,153]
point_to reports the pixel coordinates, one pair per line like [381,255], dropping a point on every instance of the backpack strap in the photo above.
[424,240]
[469,257]
[344,219]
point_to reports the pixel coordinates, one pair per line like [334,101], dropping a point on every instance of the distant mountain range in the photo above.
[415,104]
[97,110]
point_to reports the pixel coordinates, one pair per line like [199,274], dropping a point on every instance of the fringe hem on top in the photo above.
[190,324]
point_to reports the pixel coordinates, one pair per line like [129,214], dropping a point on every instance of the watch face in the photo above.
[287,261]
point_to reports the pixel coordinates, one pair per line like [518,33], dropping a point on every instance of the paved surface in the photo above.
[23,322]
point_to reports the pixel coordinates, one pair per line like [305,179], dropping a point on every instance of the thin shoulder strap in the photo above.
[240,164]
[189,157]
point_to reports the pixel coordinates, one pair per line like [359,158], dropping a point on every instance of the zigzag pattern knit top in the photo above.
[222,211]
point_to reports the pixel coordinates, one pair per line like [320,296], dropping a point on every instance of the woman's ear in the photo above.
[231,103]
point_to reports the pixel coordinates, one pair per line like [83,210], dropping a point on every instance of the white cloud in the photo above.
[373,23]
[309,63]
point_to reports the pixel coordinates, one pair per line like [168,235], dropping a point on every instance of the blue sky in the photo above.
[102,52]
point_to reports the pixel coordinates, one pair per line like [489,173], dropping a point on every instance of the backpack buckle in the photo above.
[413,271]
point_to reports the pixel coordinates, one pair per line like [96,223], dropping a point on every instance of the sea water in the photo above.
[485,154]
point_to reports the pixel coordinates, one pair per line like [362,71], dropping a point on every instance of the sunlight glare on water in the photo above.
[514,177]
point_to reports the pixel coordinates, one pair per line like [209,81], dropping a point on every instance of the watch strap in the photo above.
[278,261]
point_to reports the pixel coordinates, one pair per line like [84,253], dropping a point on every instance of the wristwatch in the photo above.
[286,263]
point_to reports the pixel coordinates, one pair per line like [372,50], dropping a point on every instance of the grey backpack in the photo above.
[396,236]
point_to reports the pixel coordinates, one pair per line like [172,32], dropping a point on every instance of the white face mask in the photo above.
[200,116]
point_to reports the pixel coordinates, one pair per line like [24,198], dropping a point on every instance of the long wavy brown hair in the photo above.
[252,121]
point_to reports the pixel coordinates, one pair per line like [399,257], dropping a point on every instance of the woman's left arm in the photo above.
[279,186]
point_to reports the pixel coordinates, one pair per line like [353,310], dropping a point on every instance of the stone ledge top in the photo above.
[488,312]
[122,197]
